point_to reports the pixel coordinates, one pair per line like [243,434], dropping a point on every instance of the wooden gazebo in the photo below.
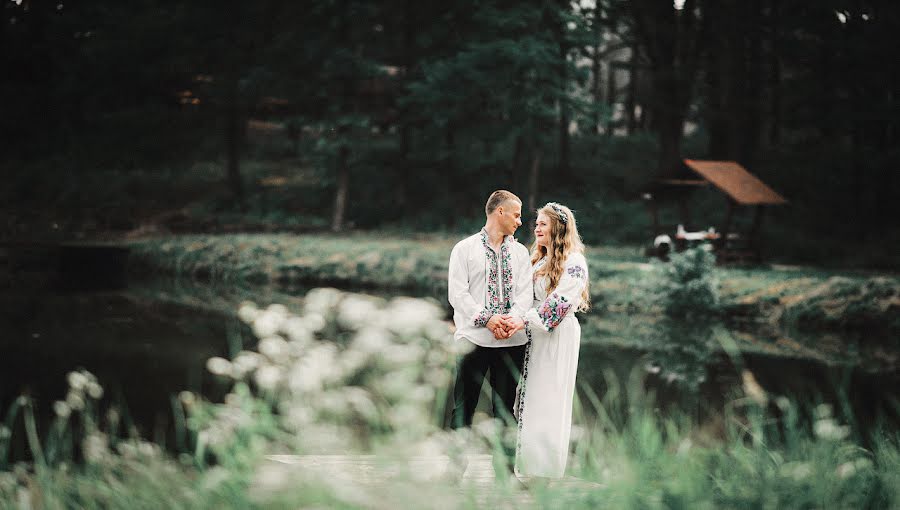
[741,189]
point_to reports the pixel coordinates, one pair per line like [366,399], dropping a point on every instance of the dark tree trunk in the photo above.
[736,80]
[516,164]
[672,40]
[718,84]
[610,97]
[342,166]
[754,84]
[409,56]
[774,75]
[564,114]
[534,178]
[234,134]
[343,188]
[632,91]
[597,87]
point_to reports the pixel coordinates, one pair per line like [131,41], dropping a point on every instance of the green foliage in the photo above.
[689,285]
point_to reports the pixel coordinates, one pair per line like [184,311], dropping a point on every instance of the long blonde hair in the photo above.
[564,241]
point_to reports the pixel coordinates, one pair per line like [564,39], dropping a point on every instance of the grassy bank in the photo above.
[336,378]
[622,280]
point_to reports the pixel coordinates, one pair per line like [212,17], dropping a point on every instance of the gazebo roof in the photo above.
[735,181]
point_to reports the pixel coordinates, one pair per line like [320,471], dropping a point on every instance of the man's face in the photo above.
[510,216]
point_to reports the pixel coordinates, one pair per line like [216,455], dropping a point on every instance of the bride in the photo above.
[546,391]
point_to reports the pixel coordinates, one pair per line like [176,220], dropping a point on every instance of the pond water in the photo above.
[147,342]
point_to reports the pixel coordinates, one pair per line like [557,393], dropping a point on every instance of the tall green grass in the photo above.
[355,374]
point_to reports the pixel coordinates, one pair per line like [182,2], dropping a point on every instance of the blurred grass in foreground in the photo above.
[354,374]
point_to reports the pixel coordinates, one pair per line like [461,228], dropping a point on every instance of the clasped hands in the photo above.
[505,326]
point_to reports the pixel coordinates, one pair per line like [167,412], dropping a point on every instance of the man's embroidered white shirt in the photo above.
[483,282]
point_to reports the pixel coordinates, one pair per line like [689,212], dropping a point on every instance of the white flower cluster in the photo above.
[348,369]
[83,389]
[826,426]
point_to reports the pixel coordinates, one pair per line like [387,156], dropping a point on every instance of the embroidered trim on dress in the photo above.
[519,411]
[577,272]
[553,310]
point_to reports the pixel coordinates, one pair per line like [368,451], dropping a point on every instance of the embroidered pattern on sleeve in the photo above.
[483,317]
[553,310]
[577,272]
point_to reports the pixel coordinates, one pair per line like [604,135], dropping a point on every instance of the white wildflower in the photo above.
[397,383]
[267,324]
[268,377]
[848,469]
[684,446]
[351,361]
[361,402]
[112,417]
[321,301]
[218,366]
[830,430]
[407,416]
[411,315]
[95,447]
[147,449]
[273,347]
[355,311]
[323,359]
[5,433]
[783,403]
[797,470]
[214,477]
[370,340]
[277,309]
[823,411]
[299,416]
[232,400]
[244,363]
[126,449]
[421,394]
[315,322]
[488,429]
[187,398]
[297,331]
[75,401]
[77,380]
[248,312]
[94,390]
[304,379]
[402,354]
[61,409]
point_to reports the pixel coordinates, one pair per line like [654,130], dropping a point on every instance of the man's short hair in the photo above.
[498,198]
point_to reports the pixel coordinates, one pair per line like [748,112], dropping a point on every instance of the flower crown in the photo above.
[563,217]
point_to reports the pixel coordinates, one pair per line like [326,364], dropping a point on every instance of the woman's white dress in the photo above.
[547,388]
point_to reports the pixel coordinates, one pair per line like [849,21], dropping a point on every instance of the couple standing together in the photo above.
[518,309]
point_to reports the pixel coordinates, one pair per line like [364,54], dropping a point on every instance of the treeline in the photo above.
[397,103]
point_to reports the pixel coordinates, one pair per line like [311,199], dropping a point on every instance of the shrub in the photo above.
[689,286]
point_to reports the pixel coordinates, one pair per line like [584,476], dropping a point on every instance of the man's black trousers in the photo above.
[504,365]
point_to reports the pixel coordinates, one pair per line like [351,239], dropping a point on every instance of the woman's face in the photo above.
[542,231]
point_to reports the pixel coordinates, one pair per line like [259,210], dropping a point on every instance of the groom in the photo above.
[489,284]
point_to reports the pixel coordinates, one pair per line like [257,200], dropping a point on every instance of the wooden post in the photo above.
[684,210]
[610,96]
[755,240]
[727,225]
